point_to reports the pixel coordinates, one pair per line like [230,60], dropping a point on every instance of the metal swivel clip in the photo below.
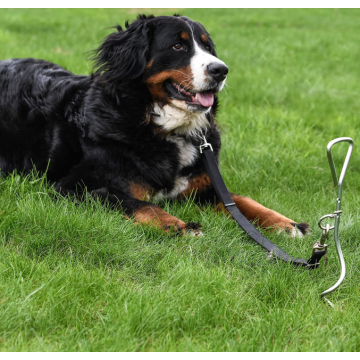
[320,245]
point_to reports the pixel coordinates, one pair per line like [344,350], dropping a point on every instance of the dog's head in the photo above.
[173,55]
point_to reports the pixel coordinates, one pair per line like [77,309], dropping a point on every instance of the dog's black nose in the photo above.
[218,71]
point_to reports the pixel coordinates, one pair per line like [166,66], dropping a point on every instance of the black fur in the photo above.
[93,131]
[100,132]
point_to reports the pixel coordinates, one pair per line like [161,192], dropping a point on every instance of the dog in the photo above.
[128,133]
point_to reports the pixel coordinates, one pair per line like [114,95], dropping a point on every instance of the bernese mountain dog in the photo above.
[128,133]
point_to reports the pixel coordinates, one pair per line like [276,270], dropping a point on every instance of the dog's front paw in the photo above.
[193,229]
[298,230]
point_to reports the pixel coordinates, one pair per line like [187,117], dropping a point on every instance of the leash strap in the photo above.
[224,195]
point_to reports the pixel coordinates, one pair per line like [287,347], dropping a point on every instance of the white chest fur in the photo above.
[186,150]
[173,119]
[187,155]
[179,122]
[180,185]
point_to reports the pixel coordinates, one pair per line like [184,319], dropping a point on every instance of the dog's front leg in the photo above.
[146,213]
[267,218]
[141,212]
[151,214]
[204,192]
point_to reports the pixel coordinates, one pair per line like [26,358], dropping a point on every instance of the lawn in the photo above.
[82,278]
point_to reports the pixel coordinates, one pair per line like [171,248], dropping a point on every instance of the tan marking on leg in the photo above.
[158,217]
[198,183]
[265,217]
[251,209]
[258,213]
[220,208]
[140,192]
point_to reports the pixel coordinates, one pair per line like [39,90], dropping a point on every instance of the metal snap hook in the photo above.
[325,217]
[325,234]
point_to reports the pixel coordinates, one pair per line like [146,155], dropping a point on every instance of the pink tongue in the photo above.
[206,98]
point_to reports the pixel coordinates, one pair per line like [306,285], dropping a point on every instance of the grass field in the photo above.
[82,278]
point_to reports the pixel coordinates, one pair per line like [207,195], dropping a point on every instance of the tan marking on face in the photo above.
[140,192]
[154,215]
[204,38]
[184,35]
[197,184]
[155,83]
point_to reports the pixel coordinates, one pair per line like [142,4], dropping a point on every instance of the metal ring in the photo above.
[325,217]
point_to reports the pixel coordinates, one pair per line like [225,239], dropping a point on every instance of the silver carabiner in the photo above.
[325,217]
[337,213]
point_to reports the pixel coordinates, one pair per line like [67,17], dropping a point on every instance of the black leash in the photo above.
[224,195]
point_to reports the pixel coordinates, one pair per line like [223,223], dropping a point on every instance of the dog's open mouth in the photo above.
[204,99]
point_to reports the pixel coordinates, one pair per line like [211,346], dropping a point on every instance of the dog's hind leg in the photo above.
[204,192]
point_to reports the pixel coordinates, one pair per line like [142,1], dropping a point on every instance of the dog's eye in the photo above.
[178,47]
[207,47]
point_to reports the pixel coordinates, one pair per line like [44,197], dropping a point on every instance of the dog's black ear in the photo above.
[123,55]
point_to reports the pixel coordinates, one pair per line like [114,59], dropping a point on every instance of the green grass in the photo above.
[82,278]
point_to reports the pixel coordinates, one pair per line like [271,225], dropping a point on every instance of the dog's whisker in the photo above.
[181,86]
[188,76]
